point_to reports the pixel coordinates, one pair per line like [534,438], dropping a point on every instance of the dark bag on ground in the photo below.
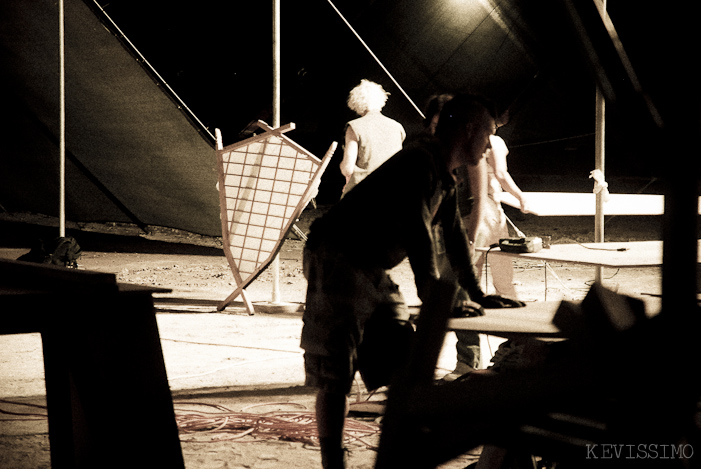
[63,251]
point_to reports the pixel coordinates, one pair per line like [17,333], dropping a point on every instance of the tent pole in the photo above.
[69,156]
[62,124]
[599,161]
[599,155]
[276,123]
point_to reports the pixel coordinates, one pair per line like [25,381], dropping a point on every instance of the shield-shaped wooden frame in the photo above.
[265,182]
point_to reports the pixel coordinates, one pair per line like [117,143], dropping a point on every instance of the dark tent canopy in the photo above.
[147,82]
[134,154]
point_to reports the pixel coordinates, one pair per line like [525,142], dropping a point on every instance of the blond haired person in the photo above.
[370,139]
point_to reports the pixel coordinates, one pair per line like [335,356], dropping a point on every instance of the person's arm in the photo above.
[497,159]
[458,249]
[350,154]
[461,256]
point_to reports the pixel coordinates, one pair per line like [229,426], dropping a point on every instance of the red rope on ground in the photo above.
[298,426]
[224,424]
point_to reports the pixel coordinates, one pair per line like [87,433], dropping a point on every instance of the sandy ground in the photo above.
[250,364]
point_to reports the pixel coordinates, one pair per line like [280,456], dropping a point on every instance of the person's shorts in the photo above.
[354,320]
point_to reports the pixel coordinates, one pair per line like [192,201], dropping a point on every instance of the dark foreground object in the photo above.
[607,397]
[103,365]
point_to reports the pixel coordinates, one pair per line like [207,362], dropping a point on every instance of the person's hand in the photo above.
[497,301]
[468,309]
[525,205]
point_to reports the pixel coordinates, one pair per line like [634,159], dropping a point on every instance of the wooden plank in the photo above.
[584,204]
[533,320]
[615,255]
[47,277]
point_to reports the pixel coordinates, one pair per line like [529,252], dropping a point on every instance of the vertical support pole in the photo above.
[62,123]
[599,157]
[276,63]
[600,162]
[276,123]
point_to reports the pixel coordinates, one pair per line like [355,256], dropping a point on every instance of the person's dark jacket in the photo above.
[399,211]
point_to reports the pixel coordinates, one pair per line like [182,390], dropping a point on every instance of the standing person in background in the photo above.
[486,224]
[490,228]
[370,139]
[469,181]
[492,225]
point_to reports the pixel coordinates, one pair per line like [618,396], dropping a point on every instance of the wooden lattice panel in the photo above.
[264,184]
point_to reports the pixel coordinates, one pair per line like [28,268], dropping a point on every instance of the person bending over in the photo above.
[408,208]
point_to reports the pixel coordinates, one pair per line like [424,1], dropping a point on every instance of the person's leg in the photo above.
[468,354]
[331,411]
[493,228]
[478,262]
[502,268]
[468,348]
[330,335]
[485,236]
[387,334]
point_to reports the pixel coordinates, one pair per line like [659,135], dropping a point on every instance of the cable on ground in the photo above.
[219,423]
[223,424]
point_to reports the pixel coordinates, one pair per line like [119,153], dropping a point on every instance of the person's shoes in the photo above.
[460,370]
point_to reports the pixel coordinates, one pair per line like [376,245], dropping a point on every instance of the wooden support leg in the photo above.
[244,296]
[247,302]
